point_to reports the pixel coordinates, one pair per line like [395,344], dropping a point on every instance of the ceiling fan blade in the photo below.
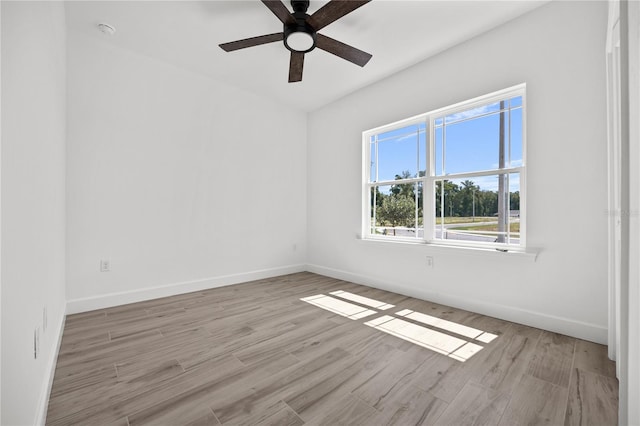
[333,11]
[295,67]
[342,50]
[280,10]
[250,42]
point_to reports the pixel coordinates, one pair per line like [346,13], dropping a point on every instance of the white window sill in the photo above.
[530,254]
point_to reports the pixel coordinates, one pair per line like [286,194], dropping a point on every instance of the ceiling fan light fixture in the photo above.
[299,38]
[300,41]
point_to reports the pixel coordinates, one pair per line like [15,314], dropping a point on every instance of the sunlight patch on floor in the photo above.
[372,303]
[463,330]
[436,341]
[338,306]
[454,340]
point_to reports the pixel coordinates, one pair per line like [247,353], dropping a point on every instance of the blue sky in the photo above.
[471,145]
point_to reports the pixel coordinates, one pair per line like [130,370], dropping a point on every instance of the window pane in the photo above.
[399,151]
[473,145]
[468,209]
[396,210]
[471,113]
[470,141]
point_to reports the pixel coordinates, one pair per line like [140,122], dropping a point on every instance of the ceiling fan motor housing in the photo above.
[299,36]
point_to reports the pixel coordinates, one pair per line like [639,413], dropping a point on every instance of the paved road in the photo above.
[453,234]
[466,224]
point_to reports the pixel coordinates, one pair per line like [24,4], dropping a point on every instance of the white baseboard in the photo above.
[45,393]
[75,306]
[569,327]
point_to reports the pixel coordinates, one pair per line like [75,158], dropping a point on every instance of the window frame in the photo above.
[430,178]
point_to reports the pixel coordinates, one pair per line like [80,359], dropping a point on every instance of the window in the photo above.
[454,176]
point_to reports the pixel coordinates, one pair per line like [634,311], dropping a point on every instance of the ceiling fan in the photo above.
[300,34]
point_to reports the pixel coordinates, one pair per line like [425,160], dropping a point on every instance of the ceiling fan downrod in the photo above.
[299,36]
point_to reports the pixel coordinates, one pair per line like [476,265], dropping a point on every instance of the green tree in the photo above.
[450,198]
[397,210]
[467,199]
[515,200]
[486,203]
[404,189]
[409,190]
[376,197]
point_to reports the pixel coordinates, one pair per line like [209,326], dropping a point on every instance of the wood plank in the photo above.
[312,399]
[593,399]
[535,402]
[396,374]
[407,405]
[594,358]
[475,405]
[285,416]
[114,399]
[348,412]
[107,353]
[343,335]
[88,379]
[81,341]
[498,365]
[553,358]
[182,402]
[119,422]
[506,363]
[228,345]
[236,409]
[80,320]
[443,376]
[258,351]
[179,415]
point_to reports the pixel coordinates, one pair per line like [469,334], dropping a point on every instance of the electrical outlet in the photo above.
[105,265]
[36,342]
[429,261]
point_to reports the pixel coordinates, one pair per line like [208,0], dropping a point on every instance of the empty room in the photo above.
[332,212]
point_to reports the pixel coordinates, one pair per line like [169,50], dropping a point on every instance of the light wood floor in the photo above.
[256,354]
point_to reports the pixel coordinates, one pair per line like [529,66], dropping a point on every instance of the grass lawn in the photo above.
[513,227]
[448,220]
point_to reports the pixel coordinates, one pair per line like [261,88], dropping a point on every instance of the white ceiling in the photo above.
[186,33]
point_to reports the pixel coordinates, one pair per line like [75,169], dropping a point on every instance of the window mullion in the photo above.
[372,205]
[482,173]
[428,195]
[377,165]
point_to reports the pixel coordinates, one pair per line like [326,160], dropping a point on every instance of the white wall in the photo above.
[33,202]
[176,179]
[558,50]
